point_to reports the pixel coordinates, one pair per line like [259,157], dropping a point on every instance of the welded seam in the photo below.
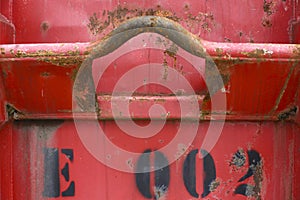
[282,91]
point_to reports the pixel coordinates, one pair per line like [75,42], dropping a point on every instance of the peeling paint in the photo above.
[269,7]
[269,10]
[286,114]
[160,100]
[257,53]
[160,193]
[40,53]
[249,191]
[2,51]
[63,60]
[74,73]
[172,51]
[258,179]
[214,185]
[71,57]
[266,22]
[45,26]
[98,23]
[219,52]
[12,112]
[101,22]
[165,70]
[239,158]
[130,163]
[296,52]
[45,74]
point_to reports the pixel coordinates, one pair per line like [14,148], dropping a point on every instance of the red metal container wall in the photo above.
[261,82]
[95,181]
[229,21]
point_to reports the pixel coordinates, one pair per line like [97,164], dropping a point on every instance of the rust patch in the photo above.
[4,72]
[2,51]
[257,53]
[72,57]
[183,150]
[130,163]
[6,69]
[266,22]
[269,9]
[98,23]
[160,193]
[227,39]
[160,100]
[45,74]
[74,73]
[296,52]
[12,112]
[172,51]
[249,191]
[219,52]
[108,157]
[212,77]
[94,24]
[238,159]
[101,22]
[253,191]
[43,53]
[258,179]
[45,26]
[165,70]
[144,100]
[39,53]
[206,21]
[214,185]
[286,114]
[75,52]
[225,64]
[63,60]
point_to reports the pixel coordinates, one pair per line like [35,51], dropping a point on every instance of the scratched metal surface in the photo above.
[255,46]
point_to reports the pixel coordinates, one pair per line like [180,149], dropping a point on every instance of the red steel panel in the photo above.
[95,181]
[50,149]
[52,68]
[231,21]
[6,163]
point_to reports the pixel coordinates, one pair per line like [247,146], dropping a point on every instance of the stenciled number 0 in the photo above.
[162,174]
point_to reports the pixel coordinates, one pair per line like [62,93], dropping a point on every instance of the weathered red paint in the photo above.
[261,84]
[269,60]
[94,180]
[63,21]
